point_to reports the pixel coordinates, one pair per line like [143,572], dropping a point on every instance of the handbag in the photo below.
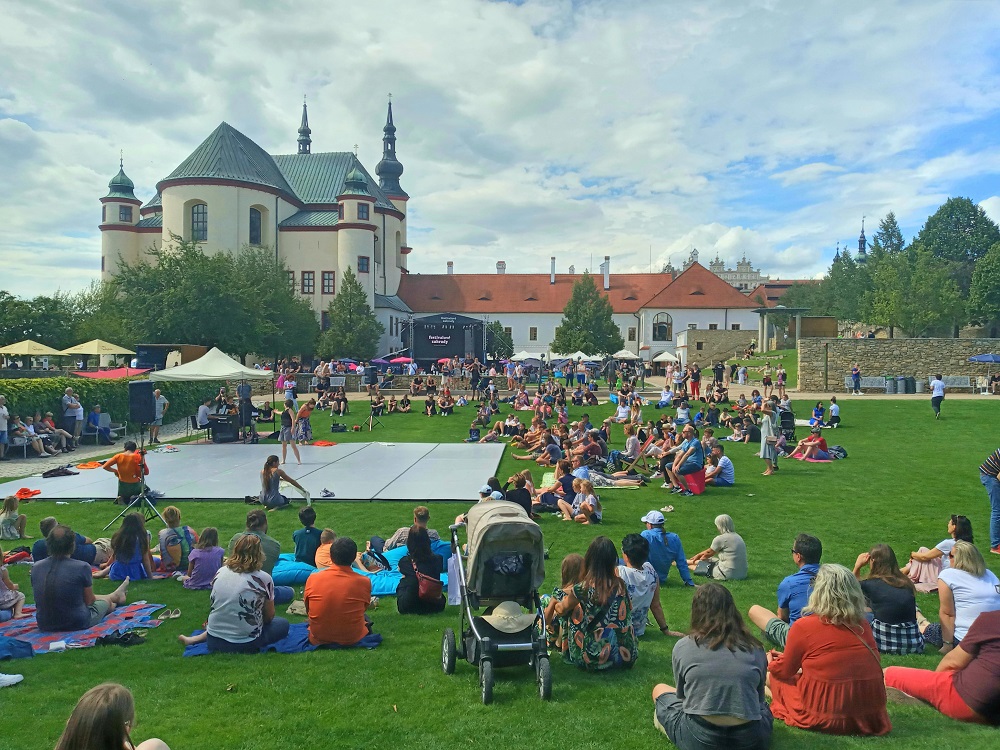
[429,589]
[705,568]
[771,440]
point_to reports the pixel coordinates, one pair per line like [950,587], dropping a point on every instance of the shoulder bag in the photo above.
[429,589]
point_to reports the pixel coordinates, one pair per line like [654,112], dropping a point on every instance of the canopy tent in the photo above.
[29,348]
[522,355]
[625,354]
[96,347]
[665,357]
[577,355]
[120,372]
[214,365]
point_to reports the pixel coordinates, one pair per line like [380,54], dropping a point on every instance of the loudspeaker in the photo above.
[224,432]
[141,407]
[370,376]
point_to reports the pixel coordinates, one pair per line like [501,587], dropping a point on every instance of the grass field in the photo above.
[787,358]
[905,474]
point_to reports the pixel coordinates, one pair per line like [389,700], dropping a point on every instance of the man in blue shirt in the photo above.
[664,548]
[793,591]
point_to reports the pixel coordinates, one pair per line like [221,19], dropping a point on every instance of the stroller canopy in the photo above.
[499,527]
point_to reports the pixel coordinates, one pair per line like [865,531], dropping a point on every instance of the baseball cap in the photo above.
[496,495]
[654,517]
[485,490]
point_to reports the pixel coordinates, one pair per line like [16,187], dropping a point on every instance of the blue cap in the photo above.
[496,495]
[485,490]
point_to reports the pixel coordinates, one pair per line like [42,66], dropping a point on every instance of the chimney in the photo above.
[606,267]
[552,270]
[501,267]
[451,267]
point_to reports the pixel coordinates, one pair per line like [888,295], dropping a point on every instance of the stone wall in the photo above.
[918,357]
[715,345]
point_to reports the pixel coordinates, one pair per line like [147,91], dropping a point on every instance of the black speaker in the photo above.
[370,376]
[141,408]
[224,432]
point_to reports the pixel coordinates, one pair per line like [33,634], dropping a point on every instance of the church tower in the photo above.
[862,244]
[119,217]
[305,134]
[389,170]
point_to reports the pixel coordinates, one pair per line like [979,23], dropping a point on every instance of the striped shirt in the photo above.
[991,465]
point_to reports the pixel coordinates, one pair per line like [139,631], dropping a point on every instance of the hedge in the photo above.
[27,395]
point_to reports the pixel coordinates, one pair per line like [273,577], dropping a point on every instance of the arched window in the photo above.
[254,226]
[663,327]
[199,222]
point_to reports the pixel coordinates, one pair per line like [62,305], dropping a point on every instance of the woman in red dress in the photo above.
[829,679]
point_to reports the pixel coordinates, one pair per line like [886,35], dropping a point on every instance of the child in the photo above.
[474,433]
[586,506]
[11,522]
[307,540]
[572,574]
[327,538]
[642,584]
[204,561]
[11,599]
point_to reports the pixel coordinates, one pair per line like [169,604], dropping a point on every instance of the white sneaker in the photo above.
[6,680]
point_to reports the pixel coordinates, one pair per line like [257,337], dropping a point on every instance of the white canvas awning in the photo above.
[665,357]
[214,365]
[625,354]
[522,355]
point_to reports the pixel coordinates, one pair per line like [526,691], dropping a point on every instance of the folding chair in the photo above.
[195,428]
[641,458]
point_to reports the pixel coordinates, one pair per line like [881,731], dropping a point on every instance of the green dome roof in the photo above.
[356,183]
[121,186]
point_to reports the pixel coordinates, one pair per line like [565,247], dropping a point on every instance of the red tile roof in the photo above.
[487,293]
[772,291]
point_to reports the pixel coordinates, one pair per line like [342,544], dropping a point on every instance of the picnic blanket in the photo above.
[135,615]
[296,642]
[812,460]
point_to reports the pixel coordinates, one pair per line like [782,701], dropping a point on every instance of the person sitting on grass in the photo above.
[793,591]
[204,561]
[492,436]
[556,626]
[966,589]
[104,718]
[404,405]
[306,539]
[966,684]
[818,412]
[337,598]
[62,588]
[726,556]
[92,552]
[643,586]
[176,541]
[813,446]
[721,473]
[430,406]
[598,614]
[419,559]
[890,596]
[326,539]
[11,596]
[689,458]
[665,549]
[257,526]
[12,523]
[129,467]
[130,554]
[547,498]
[421,517]
[392,406]
[926,565]
[242,619]
[586,507]
[721,675]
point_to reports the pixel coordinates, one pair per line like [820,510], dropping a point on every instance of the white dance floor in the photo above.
[352,471]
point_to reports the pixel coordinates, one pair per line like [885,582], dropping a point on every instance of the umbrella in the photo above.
[401,361]
[97,346]
[121,372]
[348,361]
[380,361]
[29,348]
[665,357]
[444,360]
[625,354]
[986,359]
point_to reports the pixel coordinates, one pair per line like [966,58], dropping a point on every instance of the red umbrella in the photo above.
[444,360]
[121,372]
[401,361]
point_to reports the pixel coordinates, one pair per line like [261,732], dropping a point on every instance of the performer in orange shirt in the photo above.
[129,467]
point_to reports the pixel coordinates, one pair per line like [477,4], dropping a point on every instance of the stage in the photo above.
[421,472]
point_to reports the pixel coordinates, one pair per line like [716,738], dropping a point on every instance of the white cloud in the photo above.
[549,127]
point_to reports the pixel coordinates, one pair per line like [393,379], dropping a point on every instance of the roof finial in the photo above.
[355,150]
[121,158]
[305,133]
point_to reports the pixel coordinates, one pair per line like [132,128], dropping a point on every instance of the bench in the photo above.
[956,381]
[869,383]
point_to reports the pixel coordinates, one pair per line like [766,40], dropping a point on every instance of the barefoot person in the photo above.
[270,485]
[289,419]
[63,588]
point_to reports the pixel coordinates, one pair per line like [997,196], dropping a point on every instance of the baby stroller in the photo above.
[506,563]
[786,423]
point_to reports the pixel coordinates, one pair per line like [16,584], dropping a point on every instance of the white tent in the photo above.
[521,356]
[214,365]
[625,354]
[665,357]
[577,355]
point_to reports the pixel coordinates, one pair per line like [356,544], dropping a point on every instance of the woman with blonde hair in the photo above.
[103,719]
[965,590]
[829,679]
[176,541]
[242,619]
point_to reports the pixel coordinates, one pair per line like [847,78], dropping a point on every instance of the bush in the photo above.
[27,395]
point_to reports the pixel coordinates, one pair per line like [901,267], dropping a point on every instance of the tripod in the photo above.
[141,502]
[372,417]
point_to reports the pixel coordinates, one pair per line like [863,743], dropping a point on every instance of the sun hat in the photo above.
[654,517]
[485,490]
[507,617]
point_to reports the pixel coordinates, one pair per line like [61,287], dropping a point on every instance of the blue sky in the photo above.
[527,129]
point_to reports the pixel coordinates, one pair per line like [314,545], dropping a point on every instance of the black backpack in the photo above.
[837,452]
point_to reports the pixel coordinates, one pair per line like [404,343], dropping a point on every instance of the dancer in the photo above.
[289,418]
[270,483]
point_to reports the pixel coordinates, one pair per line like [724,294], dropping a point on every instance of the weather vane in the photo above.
[355,149]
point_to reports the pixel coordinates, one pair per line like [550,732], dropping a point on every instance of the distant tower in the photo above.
[389,170]
[119,217]
[836,256]
[305,139]
[862,244]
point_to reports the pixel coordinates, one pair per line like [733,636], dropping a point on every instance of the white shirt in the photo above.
[202,415]
[834,410]
[641,585]
[237,613]
[937,388]
[4,415]
[973,596]
[945,545]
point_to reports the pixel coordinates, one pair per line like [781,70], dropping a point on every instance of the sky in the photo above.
[567,128]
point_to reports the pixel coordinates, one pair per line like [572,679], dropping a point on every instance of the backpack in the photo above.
[837,452]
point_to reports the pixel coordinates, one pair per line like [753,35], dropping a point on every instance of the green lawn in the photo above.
[787,358]
[905,474]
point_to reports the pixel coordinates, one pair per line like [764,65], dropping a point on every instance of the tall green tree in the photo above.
[914,292]
[354,330]
[960,233]
[587,324]
[984,294]
[887,240]
[499,343]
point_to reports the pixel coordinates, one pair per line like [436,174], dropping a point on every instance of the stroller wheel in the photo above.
[544,670]
[448,651]
[486,681]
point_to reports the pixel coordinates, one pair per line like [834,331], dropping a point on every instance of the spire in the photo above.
[836,256]
[305,141]
[389,169]
[121,186]
[862,243]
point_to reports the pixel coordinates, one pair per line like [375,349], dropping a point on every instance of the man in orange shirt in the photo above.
[336,599]
[130,468]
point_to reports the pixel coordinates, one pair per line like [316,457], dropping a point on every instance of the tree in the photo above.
[887,240]
[984,294]
[587,324]
[46,319]
[960,233]
[914,292]
[354,330]
[499,343]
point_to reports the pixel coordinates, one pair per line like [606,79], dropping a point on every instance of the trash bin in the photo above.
[911,384]
[890,384]
[920,385]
